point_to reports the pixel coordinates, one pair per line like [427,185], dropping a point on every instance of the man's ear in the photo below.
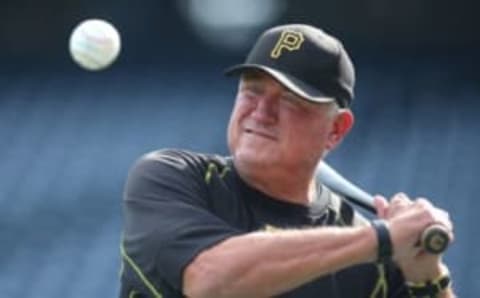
[342,124]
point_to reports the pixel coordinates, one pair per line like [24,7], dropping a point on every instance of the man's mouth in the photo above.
[260,133]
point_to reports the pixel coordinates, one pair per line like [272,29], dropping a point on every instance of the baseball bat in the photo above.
[434,239]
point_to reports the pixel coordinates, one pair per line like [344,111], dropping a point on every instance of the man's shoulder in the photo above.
[178,159]
[170,170]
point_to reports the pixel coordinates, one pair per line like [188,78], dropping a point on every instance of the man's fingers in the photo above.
[442,217]
[438,215]
[401,199]
[381,205]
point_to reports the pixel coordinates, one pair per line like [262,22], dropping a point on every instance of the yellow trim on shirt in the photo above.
[139,272]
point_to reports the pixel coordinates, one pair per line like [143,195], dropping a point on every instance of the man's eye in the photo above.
[253,90]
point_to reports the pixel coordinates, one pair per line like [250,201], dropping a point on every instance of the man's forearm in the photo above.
[263,264]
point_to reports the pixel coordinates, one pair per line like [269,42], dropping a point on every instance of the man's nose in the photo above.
[266,109]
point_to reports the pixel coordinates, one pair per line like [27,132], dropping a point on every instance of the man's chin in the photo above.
[255,157]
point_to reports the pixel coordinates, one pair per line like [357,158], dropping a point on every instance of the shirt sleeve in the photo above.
[167,218]
[396,281]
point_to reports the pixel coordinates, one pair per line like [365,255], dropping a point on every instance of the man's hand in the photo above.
[407,220]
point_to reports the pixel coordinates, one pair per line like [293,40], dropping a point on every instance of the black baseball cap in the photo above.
[309,62]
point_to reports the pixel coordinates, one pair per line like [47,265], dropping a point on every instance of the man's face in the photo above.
[270,126]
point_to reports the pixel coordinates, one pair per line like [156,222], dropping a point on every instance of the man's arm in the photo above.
[264,264]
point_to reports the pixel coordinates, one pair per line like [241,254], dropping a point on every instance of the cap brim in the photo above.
[293,84]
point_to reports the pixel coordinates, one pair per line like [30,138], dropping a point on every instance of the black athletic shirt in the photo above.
[179,203]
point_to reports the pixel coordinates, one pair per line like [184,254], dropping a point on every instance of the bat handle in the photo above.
[435,239]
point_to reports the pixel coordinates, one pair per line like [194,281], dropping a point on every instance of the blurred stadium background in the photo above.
[68,136]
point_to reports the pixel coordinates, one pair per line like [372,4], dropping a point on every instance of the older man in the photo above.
[257,223]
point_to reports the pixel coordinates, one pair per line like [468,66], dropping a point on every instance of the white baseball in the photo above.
[94,44]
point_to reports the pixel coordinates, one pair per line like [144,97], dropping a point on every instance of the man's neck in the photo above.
[291,187]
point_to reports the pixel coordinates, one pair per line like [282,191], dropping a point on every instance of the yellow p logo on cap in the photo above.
[289,40]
